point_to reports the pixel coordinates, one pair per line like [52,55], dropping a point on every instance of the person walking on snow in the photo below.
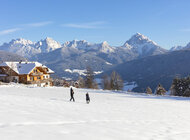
[72,95]
[87,98]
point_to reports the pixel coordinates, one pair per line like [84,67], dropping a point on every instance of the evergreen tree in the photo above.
[160,90]
[187,93]
[149,90]
[180,86]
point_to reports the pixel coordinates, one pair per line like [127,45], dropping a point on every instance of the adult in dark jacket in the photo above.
[87,98]
[72,95]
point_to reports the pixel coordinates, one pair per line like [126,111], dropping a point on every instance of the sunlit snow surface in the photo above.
[32,113]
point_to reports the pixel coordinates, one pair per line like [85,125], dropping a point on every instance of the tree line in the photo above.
[179,87]
[109,82]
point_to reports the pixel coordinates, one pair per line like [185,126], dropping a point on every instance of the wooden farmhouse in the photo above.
[26,73]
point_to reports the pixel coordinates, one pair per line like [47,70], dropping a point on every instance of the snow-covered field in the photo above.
[28,113]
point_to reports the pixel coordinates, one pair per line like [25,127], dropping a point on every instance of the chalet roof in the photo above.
[24,67]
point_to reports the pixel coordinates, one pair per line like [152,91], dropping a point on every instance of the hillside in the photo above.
[152,70]
[7,56]
[46,114]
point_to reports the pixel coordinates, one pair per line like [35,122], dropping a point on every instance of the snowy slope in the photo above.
[46,114]
[176,48]
[81,72]
[7,56]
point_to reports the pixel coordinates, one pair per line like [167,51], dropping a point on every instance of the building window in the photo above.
[32,78]
[39,77]
[35,71]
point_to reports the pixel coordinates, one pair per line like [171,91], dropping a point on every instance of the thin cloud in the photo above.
[89,25]
[25,26]
[39,24]
[9,31]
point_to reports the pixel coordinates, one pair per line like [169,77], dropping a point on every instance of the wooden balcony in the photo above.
[40,81]
[37,74]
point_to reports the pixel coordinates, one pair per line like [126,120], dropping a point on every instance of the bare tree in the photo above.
[106,82]
[95,85]
[89,79]
[119,82]
[172,90]
[81,82]
[116,83]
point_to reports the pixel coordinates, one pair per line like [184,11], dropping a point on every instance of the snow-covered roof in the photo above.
[24,67]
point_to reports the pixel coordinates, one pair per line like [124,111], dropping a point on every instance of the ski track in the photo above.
[28,113]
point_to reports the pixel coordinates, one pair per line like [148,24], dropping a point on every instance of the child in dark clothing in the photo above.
[87,98]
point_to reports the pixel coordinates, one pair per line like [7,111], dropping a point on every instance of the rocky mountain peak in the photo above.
[47,45]
[105,47]
[105,43]
[139,38]
[21,41]
[142,45]
[79,44]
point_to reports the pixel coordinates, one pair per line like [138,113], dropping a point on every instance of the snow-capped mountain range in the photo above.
[86,46]
[138,44]
[78,54]
[28,48]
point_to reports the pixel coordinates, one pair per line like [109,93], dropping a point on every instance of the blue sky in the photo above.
[167,22]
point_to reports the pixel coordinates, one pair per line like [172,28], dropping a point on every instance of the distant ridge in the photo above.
[7,56]
[152,70]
